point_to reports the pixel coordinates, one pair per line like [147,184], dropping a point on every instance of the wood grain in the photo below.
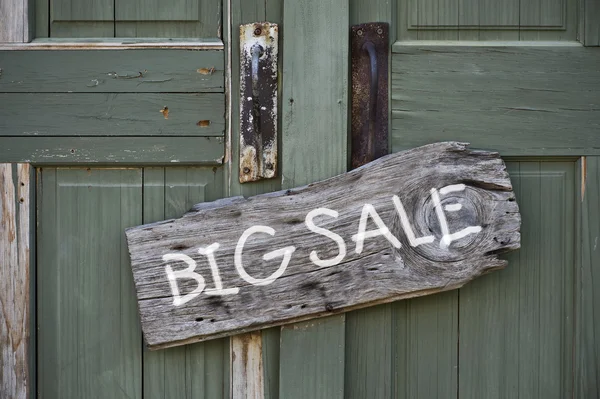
[14,280]
[108,114]
[111,71]
[373,276]
[16,21]
[517,100]
[587,376]
[247,366]
[124,150]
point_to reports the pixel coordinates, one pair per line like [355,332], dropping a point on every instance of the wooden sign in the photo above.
[408,224]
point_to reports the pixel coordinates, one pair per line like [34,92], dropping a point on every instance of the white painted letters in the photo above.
[218,290]
[382,230]
[285,252]
[329,234]
[447,237]
[410,234]
[172,276]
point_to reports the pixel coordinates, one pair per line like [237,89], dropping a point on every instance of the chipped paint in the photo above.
[165,112]
[203,123]
[206,71]
[258,101]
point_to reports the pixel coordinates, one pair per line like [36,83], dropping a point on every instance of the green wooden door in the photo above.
[115,135]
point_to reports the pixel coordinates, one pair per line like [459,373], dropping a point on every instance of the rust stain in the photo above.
[165,112]
[206,71]
[203,123]
[583,176]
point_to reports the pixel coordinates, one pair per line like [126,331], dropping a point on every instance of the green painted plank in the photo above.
[104,150]
[242,12]
[111,71]
[191,371]
[314,146]
[180,19]
[312,356]
[587,376]
[425,341]
[590,23]
[518,101]
[369,352]
[487,20]
[112,114]
[369,344]
[516,325]
[88,328]
[81,18]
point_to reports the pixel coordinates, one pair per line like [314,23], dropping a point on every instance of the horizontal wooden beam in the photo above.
[109,150]
[112,71]
[112,114]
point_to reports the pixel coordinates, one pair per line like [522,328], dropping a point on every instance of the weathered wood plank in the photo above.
[527,101]
[16,22]
[377,274]
[587,375]
[15,236]
[111,71]
[124,150]
[247,366]
[108,114]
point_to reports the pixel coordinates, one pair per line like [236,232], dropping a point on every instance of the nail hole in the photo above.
[212,320]
[199,319]
[72,151]
[303,306]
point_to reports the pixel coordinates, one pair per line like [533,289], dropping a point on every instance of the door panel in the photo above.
[516,325]
[88,326]
[192,371]
[89,337]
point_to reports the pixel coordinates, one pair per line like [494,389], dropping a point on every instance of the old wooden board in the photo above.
[408,224]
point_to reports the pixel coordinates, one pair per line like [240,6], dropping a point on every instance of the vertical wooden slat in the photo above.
[591,22]
[196,370]
[368,342]
[247,366]
[587,377]
[242,12]
[16,21]
[14,280]
[314,133]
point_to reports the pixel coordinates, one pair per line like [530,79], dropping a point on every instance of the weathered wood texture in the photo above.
[487,20]
[15,234]
[519,101]
[111,71]
[378,274]
[199,370]
[247,366]
[90,343]
[587,377]
[516,326]
[16,21]
[110,114]
[124,150]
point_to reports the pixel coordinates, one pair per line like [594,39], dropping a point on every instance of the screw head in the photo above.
[359,32]
[246,170]
[269,166]
[379,31]
[257,32]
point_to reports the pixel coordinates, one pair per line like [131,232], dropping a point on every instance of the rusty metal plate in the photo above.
[369,46]
[258,101]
